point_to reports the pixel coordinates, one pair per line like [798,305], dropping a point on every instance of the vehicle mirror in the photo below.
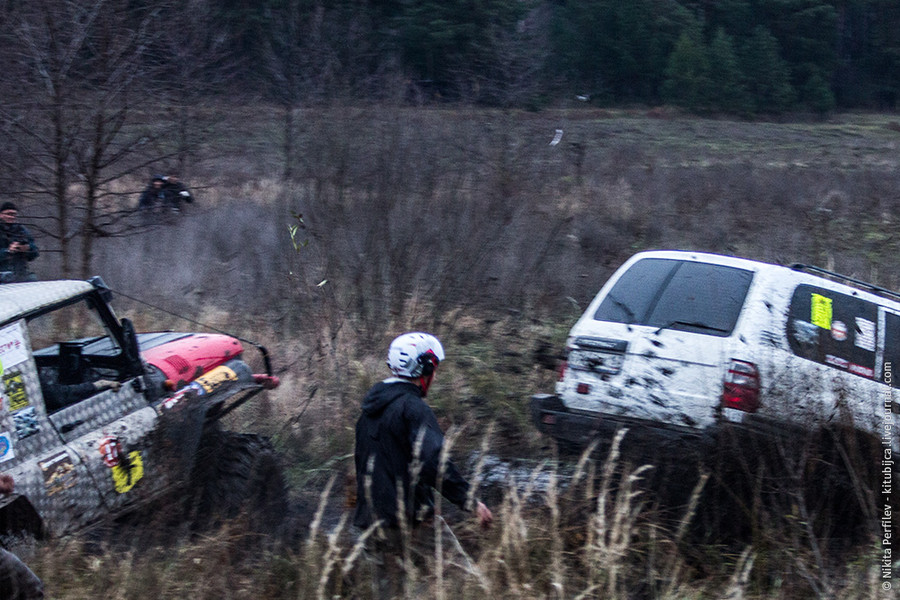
[130,347]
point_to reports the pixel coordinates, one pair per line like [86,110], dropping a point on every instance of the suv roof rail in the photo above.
[871,287]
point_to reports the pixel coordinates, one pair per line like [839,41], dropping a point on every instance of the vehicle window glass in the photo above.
[631,297]
[72,348]
[702,298]
[684,295]
[73,322]
[891,349]
[834,329]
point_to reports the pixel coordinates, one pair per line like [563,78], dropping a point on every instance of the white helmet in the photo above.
[414,355]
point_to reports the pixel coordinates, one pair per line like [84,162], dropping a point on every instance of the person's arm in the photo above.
[453,485]
[58,395]
[19,243]
[7,242]
[32,252]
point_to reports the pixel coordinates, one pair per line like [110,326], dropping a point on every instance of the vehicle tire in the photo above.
[239,475]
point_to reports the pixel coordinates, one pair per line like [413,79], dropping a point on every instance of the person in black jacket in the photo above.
[17,247]
[398,450]
[153,198]
[396,426]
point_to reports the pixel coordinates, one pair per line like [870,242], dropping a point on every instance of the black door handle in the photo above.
[70,426]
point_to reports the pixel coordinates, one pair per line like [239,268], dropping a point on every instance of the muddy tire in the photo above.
[239,476]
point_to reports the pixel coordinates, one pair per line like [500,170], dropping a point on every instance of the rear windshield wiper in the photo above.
[631,316]
[696,324]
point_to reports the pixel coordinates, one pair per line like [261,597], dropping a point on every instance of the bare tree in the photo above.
[75,118]
[318,53]
[287,73]
[194,66]
[515,76]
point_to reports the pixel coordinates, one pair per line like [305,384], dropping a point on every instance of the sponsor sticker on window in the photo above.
[821,311]
[865,334]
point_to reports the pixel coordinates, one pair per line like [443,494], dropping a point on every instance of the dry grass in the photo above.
[468,224]
[570,530]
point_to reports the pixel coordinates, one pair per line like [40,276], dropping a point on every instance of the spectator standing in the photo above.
[17,247]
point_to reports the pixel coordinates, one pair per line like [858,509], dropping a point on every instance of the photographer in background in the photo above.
[17,247]
[153,198]
[175,193]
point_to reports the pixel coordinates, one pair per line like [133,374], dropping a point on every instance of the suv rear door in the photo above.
[672,319]
[110,432]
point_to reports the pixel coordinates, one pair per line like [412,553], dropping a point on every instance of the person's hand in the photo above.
[485,517]
[106,384]
[7,484]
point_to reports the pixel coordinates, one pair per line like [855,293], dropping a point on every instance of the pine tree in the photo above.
[767,75]
[727,90]
[817,94]
[687,81]
[451,42]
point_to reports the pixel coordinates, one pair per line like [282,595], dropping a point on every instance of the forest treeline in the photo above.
[734,56]
[99,94]
[739,56]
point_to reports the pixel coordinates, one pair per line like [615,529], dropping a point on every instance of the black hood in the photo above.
[382,394]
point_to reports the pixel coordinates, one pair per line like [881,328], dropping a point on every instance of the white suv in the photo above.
[684,342]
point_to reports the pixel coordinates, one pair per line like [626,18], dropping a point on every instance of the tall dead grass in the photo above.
[587,529]
[468,224]
[431,210]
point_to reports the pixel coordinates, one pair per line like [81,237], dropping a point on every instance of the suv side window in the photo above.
[834,329]
[673,294]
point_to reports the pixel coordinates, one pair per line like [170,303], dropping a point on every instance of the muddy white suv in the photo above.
[97,420]
[687,343]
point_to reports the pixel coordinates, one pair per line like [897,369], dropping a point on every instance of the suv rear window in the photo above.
[677,294]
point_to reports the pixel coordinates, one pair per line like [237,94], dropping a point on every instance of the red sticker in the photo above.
[111,451]
[839,330]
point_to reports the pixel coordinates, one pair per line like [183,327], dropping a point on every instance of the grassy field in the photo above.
[469,224]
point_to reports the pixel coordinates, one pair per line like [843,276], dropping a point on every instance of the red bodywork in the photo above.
[184,359]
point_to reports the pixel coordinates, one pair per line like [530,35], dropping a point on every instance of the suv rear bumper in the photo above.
[552,418]
[571,428]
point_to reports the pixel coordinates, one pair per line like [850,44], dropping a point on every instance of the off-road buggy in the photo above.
[82,453]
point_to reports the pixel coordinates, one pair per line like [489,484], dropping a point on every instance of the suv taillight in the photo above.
[741,386]
[563,366]
[562,370]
